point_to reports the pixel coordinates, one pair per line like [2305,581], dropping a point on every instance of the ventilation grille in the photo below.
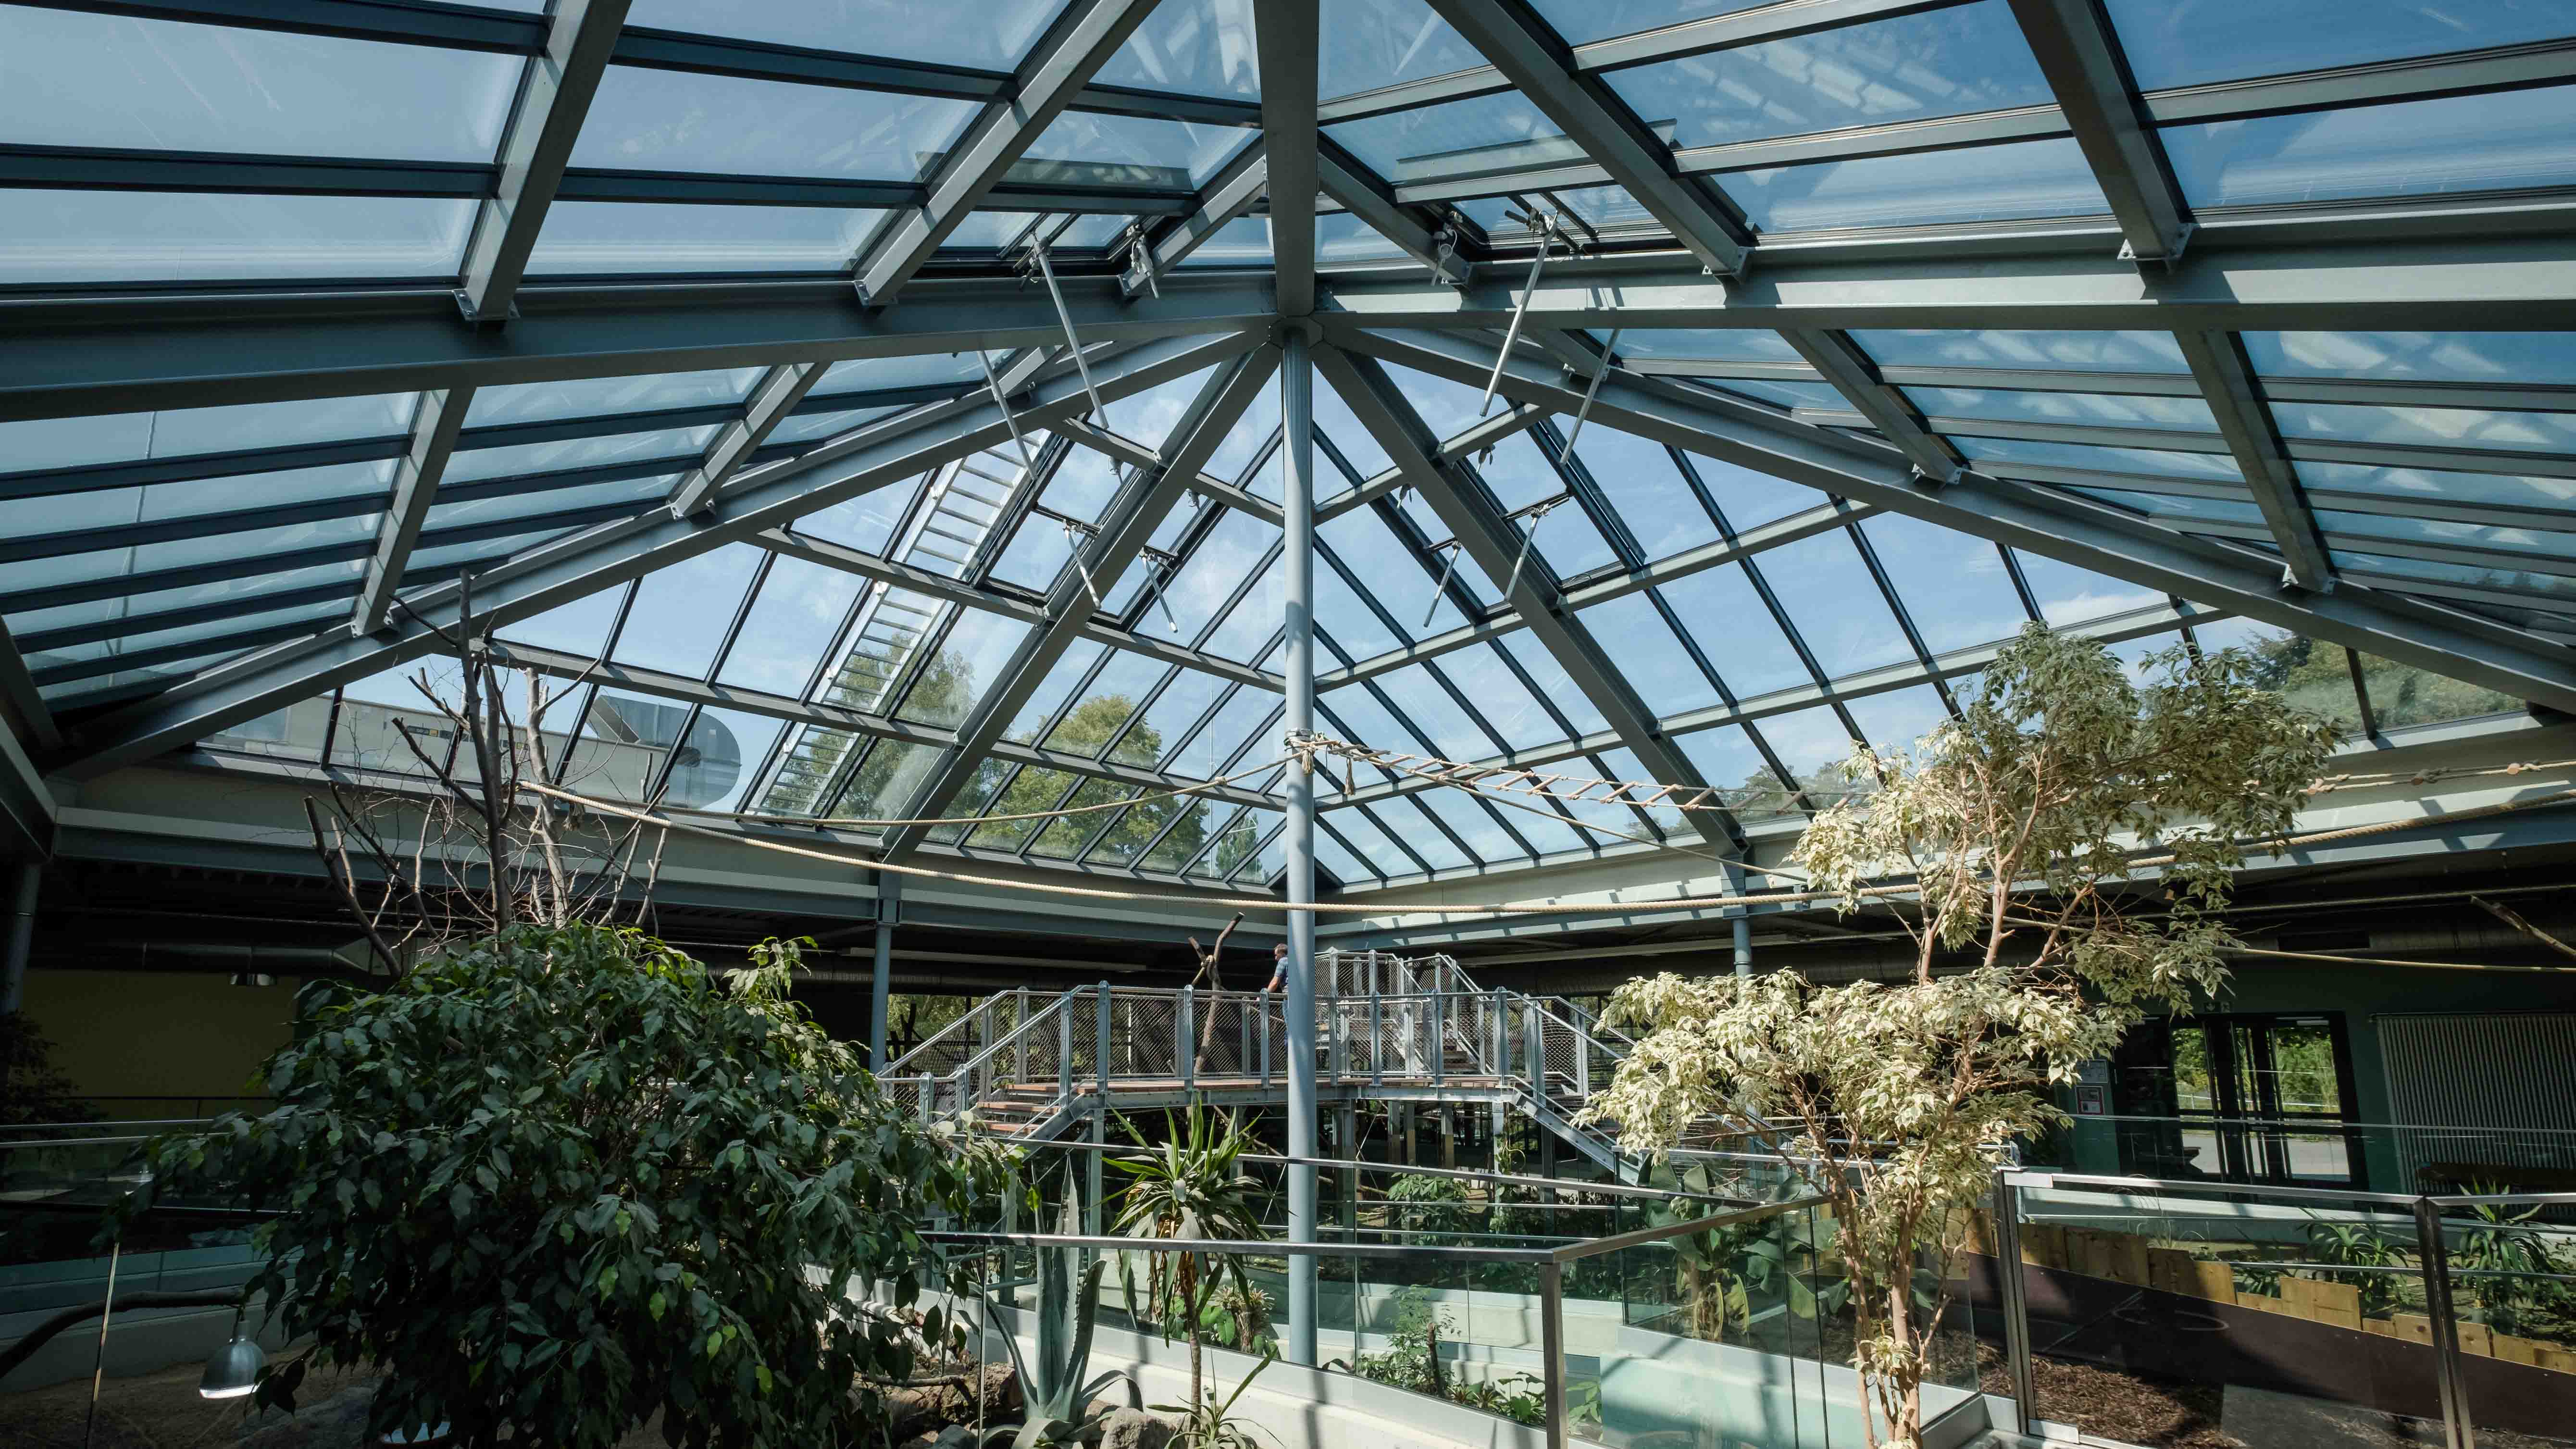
[2481,1089]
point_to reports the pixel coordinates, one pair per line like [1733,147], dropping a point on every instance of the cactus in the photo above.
[1053,1391]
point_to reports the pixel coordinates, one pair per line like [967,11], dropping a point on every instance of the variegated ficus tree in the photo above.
[2060,855]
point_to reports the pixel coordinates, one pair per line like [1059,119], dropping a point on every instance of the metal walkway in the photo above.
[1391,1028]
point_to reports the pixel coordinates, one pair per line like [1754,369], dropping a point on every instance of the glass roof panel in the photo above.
[2310,675]
[668,120]
[929,369]
[1382,564]
[73,79]
[1938,63]
[2180,45]
[1521,475]
[1645,490]
[2428,427]
[2073,409]
[1357,445]
[1197,47]
[616,236]
[814,427]
[1644,650]
[680,616]
[1186,697]
[1374,855]
[2554,549]
[624,741]
[1366,44]
[2402,695]
[969,661]
[1185,834]
[559,498]
[1783,394]
[1365,721]
[2433,485]
[522,402]
[657,445]
[1236,726]
[1342,239]
[993,230]
[107,507]
[1215,569]
[80,237]
[1404,820]
[1485,835]
[1735,632]
[1599,206]
[1811,743]
[1748,499]
[2517,357]
[1130,151]
[790,628]
[2557,591]
[1242,242]
[1581,21]
[2109,460]
[1725,344]
[1900,718]
[1505,704]
[989,35]
[867,522]
[580,627]
[1727,759]
[2068,594]
[2507,140]
[115,563]
[445,559]
[2034,350]
[1067,674]
[1554,685]
[1457,139]
[715,766]
[1955,589]
[186,432]
[1437,714]
[1255,621]
[1835,605]
[1977,183]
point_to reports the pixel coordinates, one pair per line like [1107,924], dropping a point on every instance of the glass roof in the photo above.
[753,162]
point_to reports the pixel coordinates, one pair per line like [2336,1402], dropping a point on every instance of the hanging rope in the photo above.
[850,823]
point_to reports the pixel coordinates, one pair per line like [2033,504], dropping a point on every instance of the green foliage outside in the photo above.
[944,693]
[558,1179]
[1412,1360]
[1430,1211]
[32,1090]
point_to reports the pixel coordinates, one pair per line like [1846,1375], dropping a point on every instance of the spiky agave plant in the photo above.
[1054,1393]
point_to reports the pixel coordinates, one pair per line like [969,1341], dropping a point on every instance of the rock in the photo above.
[1134,1429]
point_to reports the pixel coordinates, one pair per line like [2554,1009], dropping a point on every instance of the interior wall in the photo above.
[160,1033]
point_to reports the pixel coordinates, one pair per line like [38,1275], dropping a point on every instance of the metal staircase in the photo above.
[1388,1028]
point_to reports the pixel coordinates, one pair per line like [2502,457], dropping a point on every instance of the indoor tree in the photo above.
[559,1178]
[2059,856]
[1191,1185]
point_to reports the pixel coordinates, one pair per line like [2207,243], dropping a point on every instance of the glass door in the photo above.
[2242,1097]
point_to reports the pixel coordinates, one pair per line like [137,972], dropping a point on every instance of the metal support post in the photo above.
[1183,1031]
[1377,1040]
[1551,1348]
[1063,1050]
[1297,509]
[1439,1042]
[1593,389]
[881,985]
[1744,945]
[1099,1135]
[993,380]
[2435,1255]
[1347,1128]
[1534,1056]
[1100,1041]
[2016,1308]
[1020,1049]
[22,930]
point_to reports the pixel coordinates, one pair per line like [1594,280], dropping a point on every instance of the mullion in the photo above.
[1645,822]
[1223,768]
[1588,496]
[741,615]
[2021,584]
[1324,822]
[1407,533]
[897,689]
[1904,622]
[782,746]
[1788,630]
[1387,702]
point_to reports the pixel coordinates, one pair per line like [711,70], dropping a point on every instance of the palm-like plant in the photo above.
[1190,1186]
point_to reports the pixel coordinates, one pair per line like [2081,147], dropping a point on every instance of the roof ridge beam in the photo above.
[1078,45]
[1100,558]
[1535,61]
[1285,35]
[553,101]
[1503,552]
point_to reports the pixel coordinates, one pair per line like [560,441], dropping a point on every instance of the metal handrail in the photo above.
[2160,1185]
[1544,1184]
[1643,1237]
[1256,1247]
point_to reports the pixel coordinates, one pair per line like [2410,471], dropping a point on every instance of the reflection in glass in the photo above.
[1977,183]
[69,237]
[2509,140]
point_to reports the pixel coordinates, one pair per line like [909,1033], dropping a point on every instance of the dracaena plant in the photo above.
[2061,853]
[558,1179]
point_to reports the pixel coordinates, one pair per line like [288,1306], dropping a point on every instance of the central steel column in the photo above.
[1297,421]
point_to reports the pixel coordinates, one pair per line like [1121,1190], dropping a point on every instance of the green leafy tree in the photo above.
[2016,833]
[557,1179]
[32,1090]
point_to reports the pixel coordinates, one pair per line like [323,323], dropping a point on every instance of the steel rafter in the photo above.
[1228,195]
[777,395]
[2226,378]
[1125,524]
[1079,43]
[1838,360]
[1285,31]
[1361,194]
[2062,526]
[1523,49]
[553,101]
[2081,58]
[1496,545]
[618,551]
[437,420]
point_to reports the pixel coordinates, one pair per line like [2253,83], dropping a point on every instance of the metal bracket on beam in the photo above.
[494,323]
[2182,241]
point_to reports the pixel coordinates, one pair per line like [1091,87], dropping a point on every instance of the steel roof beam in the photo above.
[1495,544]
[101,357]
[2057,525]
[553,101]
[1129,519]
[2499,283]
[1229,194]
[27,716]
[1529,55]
[778,394]
[614,553]
[1364,196]
[1285,33]
[1838,360]
[2226,380]
[1079,43]
[438,418]
[2082,60]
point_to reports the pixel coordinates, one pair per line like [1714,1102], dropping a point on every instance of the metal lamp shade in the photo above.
[232,1372]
